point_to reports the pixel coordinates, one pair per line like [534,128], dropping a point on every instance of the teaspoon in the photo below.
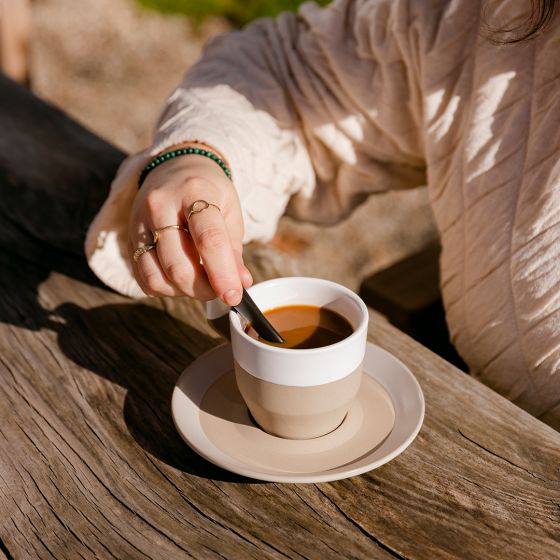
[248,308]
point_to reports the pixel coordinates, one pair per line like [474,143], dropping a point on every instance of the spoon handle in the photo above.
[248,308]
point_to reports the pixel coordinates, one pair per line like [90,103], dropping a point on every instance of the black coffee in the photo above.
[305,326]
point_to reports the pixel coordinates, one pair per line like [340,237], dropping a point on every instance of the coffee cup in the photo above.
[299,393]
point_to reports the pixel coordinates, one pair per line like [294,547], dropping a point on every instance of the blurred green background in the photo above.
[236,12]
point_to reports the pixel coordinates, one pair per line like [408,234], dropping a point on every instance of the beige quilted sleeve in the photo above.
[319,108]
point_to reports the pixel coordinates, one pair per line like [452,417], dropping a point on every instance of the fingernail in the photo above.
[247,277]
[232,297]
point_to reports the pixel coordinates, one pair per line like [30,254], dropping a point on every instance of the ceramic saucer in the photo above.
[212,418]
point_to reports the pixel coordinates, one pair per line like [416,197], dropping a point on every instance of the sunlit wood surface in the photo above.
[92,467]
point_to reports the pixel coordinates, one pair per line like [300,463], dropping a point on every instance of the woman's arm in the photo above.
[322,108]
[324,104]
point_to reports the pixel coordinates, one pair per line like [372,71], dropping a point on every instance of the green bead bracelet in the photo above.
[182,152]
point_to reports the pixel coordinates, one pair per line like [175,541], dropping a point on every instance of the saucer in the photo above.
[212,418]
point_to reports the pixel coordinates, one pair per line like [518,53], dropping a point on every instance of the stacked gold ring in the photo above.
[141,250]
[196,207]
[156,233]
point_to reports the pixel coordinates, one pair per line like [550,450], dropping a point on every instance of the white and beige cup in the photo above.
[300,393]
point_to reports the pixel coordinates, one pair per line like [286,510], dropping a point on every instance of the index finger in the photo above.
[212,241]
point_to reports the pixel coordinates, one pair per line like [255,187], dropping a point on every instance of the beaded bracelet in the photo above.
[182,152]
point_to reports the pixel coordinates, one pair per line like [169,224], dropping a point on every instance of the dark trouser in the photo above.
[54,176]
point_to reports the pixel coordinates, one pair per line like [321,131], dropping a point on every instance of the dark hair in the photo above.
[540,16]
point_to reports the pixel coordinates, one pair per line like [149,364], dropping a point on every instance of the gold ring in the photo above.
[141,250]
[145,248]
[199,206]
[157,231]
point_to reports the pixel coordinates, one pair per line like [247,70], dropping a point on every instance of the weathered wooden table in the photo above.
[92,467]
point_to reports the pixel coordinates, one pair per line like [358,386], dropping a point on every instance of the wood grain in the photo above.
[92,467]
[91,462]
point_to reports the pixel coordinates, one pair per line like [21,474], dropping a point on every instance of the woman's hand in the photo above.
[173,267]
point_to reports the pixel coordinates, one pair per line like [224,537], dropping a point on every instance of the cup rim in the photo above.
[358,331]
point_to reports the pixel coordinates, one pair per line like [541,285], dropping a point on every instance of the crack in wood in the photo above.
[57,516]
[5,551]
[514,497]
[494,454]
[110,491]
[39,539]
[211,519]
[318,515]
[366,533]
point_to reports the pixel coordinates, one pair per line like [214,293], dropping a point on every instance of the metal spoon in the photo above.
[248,308]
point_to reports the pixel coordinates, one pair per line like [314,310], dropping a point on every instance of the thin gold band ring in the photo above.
[157,231]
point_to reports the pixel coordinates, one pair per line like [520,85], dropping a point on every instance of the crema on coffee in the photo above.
[305,326]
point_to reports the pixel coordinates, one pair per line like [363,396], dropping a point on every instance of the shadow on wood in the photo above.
[408,294]
[54,176]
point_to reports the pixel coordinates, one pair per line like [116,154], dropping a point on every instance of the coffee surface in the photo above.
[305,326]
